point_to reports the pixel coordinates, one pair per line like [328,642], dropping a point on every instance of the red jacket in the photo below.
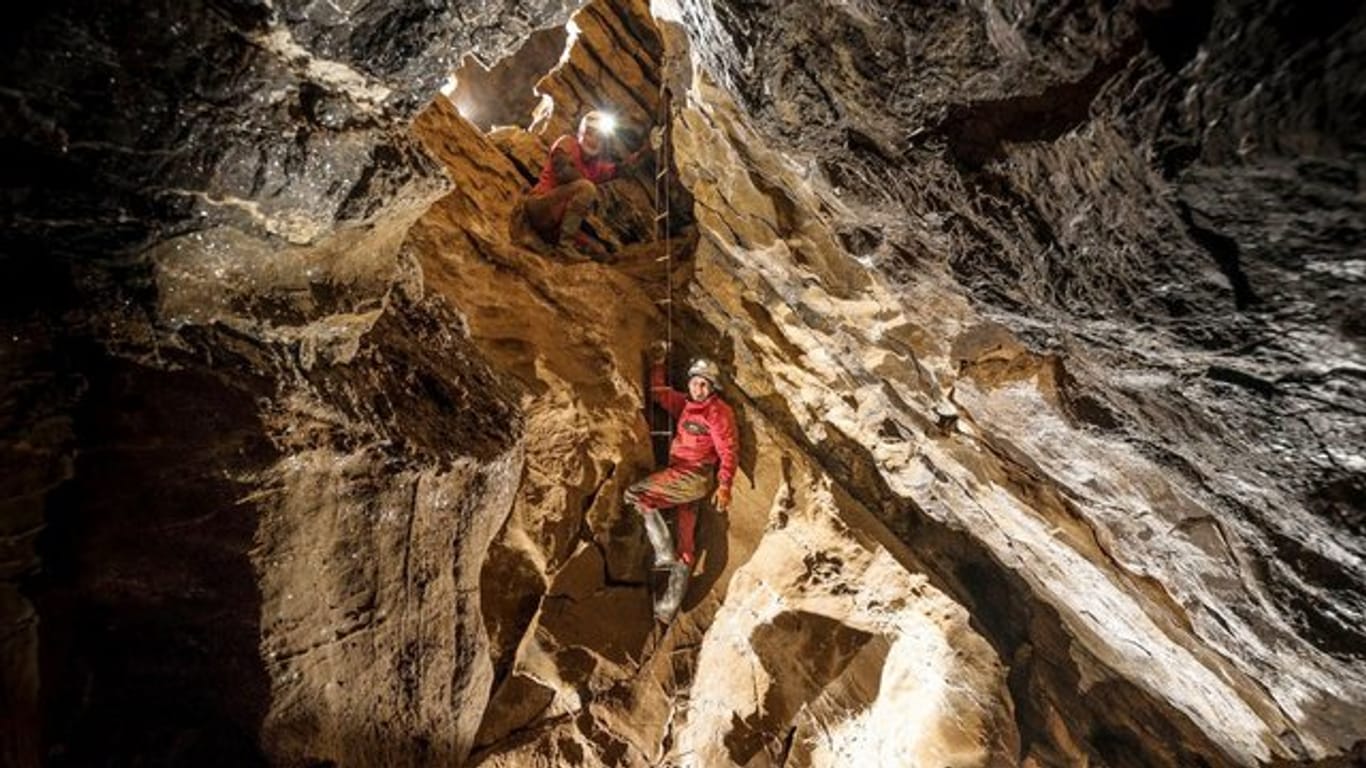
[596,169]
[706,430]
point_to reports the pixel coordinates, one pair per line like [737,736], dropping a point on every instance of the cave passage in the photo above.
[329,356]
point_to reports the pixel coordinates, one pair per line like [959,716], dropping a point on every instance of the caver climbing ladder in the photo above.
[667,601]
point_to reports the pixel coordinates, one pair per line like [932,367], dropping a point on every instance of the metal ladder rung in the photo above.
[662,173]
[664,301]
[661,216]
[665,257]
[657,433]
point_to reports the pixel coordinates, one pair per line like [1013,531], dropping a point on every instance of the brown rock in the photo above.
[1040,323]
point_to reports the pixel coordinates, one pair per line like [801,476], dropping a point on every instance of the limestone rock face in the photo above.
[1042,325]
[828,651]
[1057,348]
[252,466]
[288,118]
[584,678]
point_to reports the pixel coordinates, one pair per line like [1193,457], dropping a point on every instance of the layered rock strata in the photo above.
[246,451]
[1040,327]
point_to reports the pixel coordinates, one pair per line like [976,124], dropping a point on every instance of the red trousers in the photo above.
[677,487]
[547,213]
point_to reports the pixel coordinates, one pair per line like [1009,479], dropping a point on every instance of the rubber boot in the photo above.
[668,603]
[657,530]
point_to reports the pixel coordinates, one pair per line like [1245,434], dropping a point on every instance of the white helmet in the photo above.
[707,370]
[602,122]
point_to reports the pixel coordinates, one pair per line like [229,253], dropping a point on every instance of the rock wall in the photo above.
[1082,425]
[253,465]
[1039,322]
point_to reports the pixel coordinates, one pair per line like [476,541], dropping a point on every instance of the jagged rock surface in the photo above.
[1093,441]
[252,467]
[1043,337]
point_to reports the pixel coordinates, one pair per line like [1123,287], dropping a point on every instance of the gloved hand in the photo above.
[721,500]
[659,350]
[634,159]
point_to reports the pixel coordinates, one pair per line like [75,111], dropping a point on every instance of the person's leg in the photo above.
[647,497]
[666,488]
[687,524]
[582,195]
[522,231]
[671,487]
[544,213]
[561,210]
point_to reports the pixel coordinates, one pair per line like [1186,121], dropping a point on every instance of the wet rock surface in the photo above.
[1042,323]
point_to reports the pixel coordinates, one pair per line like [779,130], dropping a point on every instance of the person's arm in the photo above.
[666,396]
[636,159]
[727,442]
[602,171]
[646,152]
[606,170]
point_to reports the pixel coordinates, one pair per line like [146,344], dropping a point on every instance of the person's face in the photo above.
[699,388]
[591,141]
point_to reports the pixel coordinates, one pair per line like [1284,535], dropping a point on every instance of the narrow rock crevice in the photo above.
[977,132]
[1224,251]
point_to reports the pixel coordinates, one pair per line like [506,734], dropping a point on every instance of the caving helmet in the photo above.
[707,370]
[594,129]
[599,121]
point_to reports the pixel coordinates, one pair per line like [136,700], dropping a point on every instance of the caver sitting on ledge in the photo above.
[568,187]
